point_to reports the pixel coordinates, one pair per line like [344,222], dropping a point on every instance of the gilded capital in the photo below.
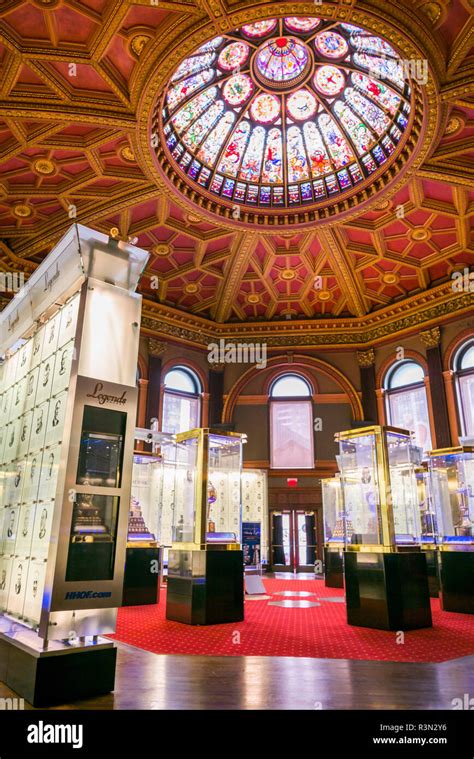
[431,337]
[366,358]
[156,347]
[217,367]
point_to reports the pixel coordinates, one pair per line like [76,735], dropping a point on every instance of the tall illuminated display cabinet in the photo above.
[451,474]
[68,407]
[384,568]
[335,526]
[205,564]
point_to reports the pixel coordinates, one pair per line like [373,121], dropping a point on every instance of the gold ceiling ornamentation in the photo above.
[22,211]
[323,295]
[390,278]
[44,166]
[156,347]
[456,123]
[403,317]
[420,234]
[137,42]
[431,337]
[365,358]
[253,298]
[162,249]
[191,288]
[217,367]
[288,274]
[127,154]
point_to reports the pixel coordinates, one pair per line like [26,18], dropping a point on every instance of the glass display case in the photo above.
[207,506]
[452,487]
[379,487]
[205,564]
[335,524]
[382,556]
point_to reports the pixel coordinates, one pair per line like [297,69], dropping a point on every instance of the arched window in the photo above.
[181,400]
[291,423]
[407,405]
[464,373]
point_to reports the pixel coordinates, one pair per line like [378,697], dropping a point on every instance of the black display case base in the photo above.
[205,587]
[333,567]
[59,674]
[141,584]
[457,581]
[387,591]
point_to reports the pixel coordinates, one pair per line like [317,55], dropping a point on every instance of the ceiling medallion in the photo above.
[288,274]
[324,295]
[253,299]
[384,205]
[419,234]
[390,278]
[127,154]
[193,218]
[191,288]
[22,211]
[455,124]
[44,166]
[288,119]
[162,249]
[137,44]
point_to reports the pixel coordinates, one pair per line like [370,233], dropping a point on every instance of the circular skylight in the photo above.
[285,113]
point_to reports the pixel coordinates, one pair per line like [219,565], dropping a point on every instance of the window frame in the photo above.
[392,392]
[182,394]
[307,400]
[459,374]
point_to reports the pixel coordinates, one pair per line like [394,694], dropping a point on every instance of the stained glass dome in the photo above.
[285,113]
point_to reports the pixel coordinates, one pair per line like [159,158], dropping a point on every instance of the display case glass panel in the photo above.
[93,537]
[144,521]
[224,487]
[452,490]
[333,510]
[360,487]
[187,497]
[207,488]
[101,451]
[403,458]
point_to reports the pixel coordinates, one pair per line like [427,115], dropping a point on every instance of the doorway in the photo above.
[294,540]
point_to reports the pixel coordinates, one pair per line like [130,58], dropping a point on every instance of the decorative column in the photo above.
[366,361]
[142,401]
[448,377]
[431,339]
[216,394]
[155,353]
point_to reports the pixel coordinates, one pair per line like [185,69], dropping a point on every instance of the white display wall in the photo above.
[154,487]
[34,382]
[255,503]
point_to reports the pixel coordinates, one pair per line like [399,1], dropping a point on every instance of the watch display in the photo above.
[25,529]
[16,595]
[50,340]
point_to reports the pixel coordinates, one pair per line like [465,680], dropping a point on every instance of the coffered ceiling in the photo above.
[77,82]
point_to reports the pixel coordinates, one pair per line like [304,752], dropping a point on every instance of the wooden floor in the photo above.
[151,681]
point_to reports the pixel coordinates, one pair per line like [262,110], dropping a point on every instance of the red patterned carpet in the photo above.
[319,632]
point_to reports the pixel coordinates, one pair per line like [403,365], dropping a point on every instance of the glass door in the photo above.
[293,541]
